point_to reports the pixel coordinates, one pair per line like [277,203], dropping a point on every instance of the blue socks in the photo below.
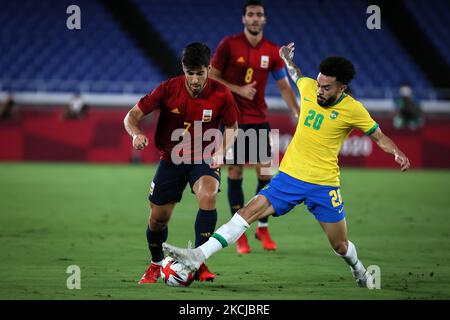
[205,224]
[235,195]
[155,240]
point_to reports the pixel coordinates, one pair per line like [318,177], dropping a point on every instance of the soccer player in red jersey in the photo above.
[190,105]
[243,63]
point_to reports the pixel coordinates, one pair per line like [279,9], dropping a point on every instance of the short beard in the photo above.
[327,102]
[254,33]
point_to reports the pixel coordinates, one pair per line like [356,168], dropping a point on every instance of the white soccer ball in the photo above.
[175,274]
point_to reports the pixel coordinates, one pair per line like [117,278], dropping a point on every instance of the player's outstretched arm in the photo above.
[387,145]
[131,123]
[287,54]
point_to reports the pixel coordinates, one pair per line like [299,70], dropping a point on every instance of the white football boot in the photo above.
[191,258]
[363,278]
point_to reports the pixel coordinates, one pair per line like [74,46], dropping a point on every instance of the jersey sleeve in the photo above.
[221,55]
[362,120]
[230,112]
[152,101]
[280,74]
[278,63]
[307,86]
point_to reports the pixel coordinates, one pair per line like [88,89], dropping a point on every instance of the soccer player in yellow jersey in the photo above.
[309,171]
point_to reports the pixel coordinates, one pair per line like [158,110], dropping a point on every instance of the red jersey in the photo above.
[178,110]
[241,64]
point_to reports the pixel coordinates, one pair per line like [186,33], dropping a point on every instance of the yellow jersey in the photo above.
[312,155]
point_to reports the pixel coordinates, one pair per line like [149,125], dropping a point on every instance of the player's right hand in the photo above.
[140,141]
[402,160]
[248,91]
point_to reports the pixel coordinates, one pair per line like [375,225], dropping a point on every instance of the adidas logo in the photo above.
[176,111]
[240,60]
[205,234]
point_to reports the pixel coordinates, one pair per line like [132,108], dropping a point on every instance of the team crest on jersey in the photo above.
[207,115]
[334,115]
[264,62]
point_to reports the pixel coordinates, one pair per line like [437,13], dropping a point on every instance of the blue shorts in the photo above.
[171,179]
[285,192]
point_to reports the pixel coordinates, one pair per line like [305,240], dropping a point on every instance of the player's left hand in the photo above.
[287,52]
[217,161]
[402,160]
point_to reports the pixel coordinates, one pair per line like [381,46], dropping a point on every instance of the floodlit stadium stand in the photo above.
[40,54]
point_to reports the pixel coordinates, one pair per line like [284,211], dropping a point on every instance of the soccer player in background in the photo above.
[184,102]
[243,63]
[309,171]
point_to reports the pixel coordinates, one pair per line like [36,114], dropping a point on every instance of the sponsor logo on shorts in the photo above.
[152,187]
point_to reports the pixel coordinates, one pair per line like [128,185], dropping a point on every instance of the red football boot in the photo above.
[152,274]
[263,235]
[203,274]
[242,245]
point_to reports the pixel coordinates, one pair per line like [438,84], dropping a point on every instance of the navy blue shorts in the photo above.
[171,179]
[248,151]
[285,192]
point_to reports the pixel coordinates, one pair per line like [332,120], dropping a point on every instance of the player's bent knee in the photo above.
[235,172]
[207,199]
[157,224]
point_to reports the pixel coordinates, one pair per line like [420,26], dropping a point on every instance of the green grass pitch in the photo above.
[94,216]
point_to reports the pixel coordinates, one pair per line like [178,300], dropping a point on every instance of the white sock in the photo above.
[351,257]
[263,224]
[225,235]
[210,247]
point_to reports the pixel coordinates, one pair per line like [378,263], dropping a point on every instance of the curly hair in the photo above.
[339,67]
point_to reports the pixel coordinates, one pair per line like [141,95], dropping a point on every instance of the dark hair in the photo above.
[196,55]
[339,67]
[252,3]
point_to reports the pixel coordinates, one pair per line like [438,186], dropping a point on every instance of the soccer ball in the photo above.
[175,274]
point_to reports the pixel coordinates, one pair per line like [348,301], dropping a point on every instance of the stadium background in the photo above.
[122,51]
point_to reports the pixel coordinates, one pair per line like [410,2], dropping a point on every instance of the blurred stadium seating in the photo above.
[43,62]
[431,16]
[40,53]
